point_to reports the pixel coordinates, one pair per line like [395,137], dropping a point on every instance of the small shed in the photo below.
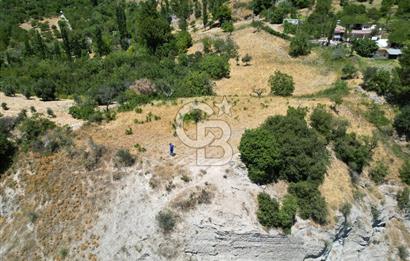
[393,53]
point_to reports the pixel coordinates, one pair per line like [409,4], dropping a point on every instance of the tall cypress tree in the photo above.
[28,49]
[66,39]
[40,47]
[205,12]
[122,26]
[102,48]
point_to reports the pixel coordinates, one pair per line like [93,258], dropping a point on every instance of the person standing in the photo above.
[171,149]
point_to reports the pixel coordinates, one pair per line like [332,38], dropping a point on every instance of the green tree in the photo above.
[402,122]
[259,5]
[322,121]
[403,200]
[349,71]
[205,12]
[195,84]
[216,66]
[405,172]
[281,84]
[259,151]
[39,45]
[102,47]
[66,39]
[122,25]
[364,47]
[7,150]
[311,203]
[45,89]
[299,45]
[153,29]
[378,173]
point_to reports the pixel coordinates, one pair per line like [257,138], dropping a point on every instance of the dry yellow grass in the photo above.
[51,21]
[269,54]
[337,187]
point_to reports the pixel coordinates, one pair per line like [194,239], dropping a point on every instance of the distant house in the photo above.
[362,31]
[339,33]
[381,43]
[391,53]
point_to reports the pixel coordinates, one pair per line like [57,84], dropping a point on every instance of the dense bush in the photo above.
[195,84]
[45,90]
[403,200]
[7,150]
[377,116]
[183,41]
[402,122]
[322,121]
[405,172]
[364,47]
[349,71]
[354,151]
[299,45]
[281,84]
[123,158]
[378,172]
[216,66]
[32,129]
[281,149]
[166,220]
[271,215]
[259,151]
[378,80]
[311,203]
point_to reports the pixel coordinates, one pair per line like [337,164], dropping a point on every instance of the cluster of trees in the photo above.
[281,149]
[395,86]
[104,48]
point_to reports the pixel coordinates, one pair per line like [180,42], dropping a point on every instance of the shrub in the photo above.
[402,122]
[355,152]
[403,200]
[364,47]
[270,215]
[378,173]
[4,106]
[405,172]
[50,113]
[216,66]
[246,59]
[277,15]
[183,41]
[8,89]
[349,71]
[196,115]
[53,140]
[281,84]
[228,27]
[403,254]
[322,121]
[345,209]
[195,84]
[166,220]
[45,89]
[376,79]
[289,28]
[299,45]
[7,150]
[377,116]
[33,128]
[128,131]
[311,203]
[123,158]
